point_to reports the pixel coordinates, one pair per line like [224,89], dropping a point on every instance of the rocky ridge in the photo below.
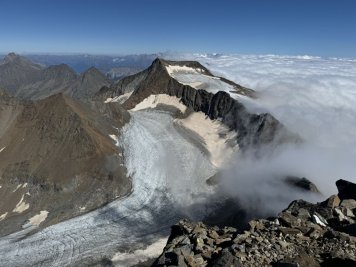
[303,235]
[28,80]
[252,129]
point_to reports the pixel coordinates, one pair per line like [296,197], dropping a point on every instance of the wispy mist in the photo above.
[314,97]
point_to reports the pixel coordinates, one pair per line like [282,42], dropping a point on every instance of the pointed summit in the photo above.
[94,73]
[89,83]
[62,72]
[17,71]
[11,57]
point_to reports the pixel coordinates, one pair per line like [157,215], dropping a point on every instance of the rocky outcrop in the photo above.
[302,183]
[303,235]
[347,190]
[252,129]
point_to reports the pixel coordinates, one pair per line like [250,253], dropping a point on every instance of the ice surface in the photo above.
[162,164]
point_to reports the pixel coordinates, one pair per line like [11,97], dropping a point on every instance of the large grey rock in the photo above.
[226,259]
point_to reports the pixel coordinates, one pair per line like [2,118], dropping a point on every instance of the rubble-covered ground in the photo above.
[304,235]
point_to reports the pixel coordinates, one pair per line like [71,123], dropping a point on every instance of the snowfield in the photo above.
[198,80]
[161,163]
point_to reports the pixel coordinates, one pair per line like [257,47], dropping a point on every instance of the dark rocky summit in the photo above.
[304,235]
[252,129]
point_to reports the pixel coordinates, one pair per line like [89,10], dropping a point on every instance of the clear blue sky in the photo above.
[314,27]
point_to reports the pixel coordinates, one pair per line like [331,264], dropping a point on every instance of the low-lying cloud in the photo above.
[312,96]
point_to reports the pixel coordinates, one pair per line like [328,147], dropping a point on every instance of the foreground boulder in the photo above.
[347,190]
[303,235]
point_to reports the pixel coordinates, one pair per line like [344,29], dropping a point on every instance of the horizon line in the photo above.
[4,53]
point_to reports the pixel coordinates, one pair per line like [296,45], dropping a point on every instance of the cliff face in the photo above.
[304,235]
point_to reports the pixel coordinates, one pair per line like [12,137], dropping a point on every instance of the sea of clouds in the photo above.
[312,96]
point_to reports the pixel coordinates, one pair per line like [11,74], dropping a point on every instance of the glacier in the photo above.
[161,163]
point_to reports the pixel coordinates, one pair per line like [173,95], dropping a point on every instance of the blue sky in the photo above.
[313,27]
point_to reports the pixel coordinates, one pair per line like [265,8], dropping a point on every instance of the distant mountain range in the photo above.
[27,80]
[113,67]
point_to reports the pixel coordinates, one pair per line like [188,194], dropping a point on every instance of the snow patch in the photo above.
[317,220]
[216,137]
[119,99]
[153,100]
[21,206]
[17,188]
[198,80]
[39,218]
[140,255]
[3,216]
[115,138]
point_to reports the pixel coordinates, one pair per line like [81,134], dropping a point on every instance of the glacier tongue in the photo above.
[168,174]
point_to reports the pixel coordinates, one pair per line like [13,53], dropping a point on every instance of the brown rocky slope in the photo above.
[57,156]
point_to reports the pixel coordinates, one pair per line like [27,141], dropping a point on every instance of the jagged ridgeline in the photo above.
[27,80]
[198,89]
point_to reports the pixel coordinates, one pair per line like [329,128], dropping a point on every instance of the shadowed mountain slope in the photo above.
[27,80]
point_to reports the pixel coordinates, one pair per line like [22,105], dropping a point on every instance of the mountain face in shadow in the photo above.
[27,80]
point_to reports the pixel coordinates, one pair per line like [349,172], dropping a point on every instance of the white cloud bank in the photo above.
[314,97]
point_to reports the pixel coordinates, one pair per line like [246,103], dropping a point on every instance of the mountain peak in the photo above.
[91,71]
[11,57]
[94,73]
[62,71]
